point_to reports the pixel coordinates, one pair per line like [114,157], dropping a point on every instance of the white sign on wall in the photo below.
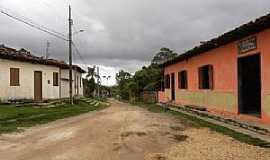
[247,45]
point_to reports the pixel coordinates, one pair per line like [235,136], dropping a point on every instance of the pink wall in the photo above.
[162,98]
[224,61]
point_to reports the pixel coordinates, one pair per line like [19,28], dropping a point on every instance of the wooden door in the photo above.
[38,86]
[249,85]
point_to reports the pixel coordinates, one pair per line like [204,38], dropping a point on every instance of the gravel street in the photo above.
[124,132]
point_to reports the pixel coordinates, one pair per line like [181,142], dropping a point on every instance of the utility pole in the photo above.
[70,56]
[47,50]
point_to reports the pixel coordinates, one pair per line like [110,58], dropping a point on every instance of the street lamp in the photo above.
[74,33]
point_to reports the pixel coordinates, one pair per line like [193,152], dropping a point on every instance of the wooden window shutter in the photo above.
[182,80]
[200,74]
[179,80]
[55,79]
[211,76]
[14,77]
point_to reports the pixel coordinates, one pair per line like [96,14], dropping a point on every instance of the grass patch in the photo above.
[12,118]
[196,122]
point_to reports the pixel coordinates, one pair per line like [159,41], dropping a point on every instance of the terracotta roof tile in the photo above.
[23,55]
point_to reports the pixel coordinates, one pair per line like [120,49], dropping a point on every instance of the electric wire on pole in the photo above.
[55,34]
[39,27]
[79,54]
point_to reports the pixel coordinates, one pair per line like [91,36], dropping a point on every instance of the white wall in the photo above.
[65,83]
[26,88]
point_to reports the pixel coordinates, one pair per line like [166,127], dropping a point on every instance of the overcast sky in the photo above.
[123,34]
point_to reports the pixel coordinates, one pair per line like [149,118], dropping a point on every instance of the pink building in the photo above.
[229,74]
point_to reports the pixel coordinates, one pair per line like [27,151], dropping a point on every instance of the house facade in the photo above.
[77,83]
[229,74]
[27,77]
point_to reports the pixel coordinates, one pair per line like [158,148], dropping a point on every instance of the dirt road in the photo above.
[121,132]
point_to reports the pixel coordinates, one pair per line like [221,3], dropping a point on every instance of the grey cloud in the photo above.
[126,33]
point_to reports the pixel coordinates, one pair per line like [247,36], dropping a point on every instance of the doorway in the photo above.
[173,86]
[249,85]
[38,86]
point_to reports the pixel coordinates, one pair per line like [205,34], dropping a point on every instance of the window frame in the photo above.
[14,76]
[55,79]
[183,80]
[209,85]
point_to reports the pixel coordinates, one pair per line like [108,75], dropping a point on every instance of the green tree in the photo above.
[149,78]
[89,82]
[89,86]
[122,78]
[163,55]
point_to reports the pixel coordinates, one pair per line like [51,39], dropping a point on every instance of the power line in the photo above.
[79,54]
[41,28]
[31,21]
[18,15]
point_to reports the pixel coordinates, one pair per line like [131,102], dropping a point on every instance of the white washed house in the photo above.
[76,80]
[24,76]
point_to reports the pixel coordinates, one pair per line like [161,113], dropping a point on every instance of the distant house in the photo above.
[229,74]
[25,76]
[77,82]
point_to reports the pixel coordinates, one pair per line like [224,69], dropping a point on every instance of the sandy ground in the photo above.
[123,132]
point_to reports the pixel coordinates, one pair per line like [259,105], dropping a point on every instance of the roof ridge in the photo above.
[244,30]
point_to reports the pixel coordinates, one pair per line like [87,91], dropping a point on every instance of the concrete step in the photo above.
[93,103]
[249,126]
[97,104]
[253,131]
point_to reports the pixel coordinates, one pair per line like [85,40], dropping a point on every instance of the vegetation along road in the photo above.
[125,132]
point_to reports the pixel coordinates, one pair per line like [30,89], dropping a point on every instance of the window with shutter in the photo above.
[14,77]
[200,78]
[182,80]
[55,79]
[206,75]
